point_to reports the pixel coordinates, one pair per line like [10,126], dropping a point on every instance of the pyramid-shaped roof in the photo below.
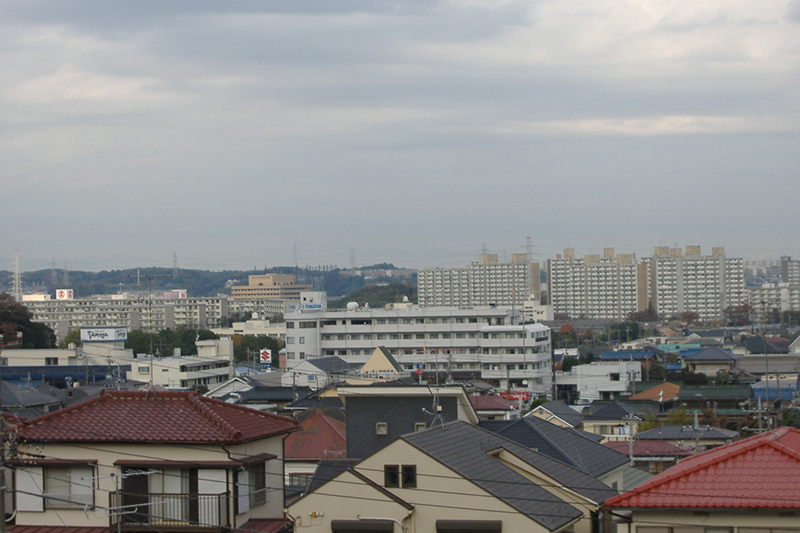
[759,472]
[615,411]
[663,392]
[712,353]
[155,417]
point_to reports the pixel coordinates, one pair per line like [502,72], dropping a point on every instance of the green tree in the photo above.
[73,337]
[249,344]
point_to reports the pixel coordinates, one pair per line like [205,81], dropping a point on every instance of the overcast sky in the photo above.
[413,132]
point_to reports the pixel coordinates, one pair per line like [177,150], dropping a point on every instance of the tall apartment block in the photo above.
[672,281]
[483,282]
[704,284]
[595,286]
[790,270]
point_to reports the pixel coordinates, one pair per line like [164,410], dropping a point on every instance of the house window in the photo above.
[144,370]
[409,476]
[51,361]
[613,377]
[300,480]
[68,487]
[391,476]
[419,426]
[381,428]
[258,484]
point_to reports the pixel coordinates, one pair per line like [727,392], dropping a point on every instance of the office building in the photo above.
[483,282]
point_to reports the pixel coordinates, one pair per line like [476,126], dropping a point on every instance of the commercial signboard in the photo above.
[108,334]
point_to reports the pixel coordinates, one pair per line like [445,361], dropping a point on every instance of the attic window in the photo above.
[381,428]
[419,426]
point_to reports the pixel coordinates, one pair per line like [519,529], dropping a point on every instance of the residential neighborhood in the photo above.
[405,418]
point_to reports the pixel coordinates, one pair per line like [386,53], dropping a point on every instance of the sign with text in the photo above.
[112,334]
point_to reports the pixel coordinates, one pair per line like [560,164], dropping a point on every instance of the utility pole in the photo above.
[3,451]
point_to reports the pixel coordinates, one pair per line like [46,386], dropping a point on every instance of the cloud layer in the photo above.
[410,132]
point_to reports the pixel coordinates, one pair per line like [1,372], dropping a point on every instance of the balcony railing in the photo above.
[192,511]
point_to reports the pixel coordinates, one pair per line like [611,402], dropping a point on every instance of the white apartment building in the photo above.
[600,380]
[771,297]
[134,312]
[672,282]
[479,340]
[704,284]
[595,286]
[483,282]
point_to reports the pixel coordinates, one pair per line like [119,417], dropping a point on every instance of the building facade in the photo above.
[672,281]
[482,341]
[134,312]
[272,286]
[595,286]
[704,284]
[483,282]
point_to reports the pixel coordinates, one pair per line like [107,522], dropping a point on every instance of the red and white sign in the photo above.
[514,395]
[64,294]
[266,356]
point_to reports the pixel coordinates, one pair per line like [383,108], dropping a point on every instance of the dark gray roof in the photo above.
[712,353]
[466,449]
[332,364]
[564,412]
[685,433]
[614,411]
[17,397]
[567,445]
[757,344]
[327,469]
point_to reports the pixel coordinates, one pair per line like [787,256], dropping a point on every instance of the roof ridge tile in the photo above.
[207,411]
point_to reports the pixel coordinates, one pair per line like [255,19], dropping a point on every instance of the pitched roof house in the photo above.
[750,486]
[456,477]
[150,460]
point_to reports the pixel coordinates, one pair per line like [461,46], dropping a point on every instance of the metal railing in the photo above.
[159,509]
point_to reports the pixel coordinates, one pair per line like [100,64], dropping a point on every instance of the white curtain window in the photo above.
[67,487]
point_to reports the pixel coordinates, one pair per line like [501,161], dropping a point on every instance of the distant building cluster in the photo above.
[670,282]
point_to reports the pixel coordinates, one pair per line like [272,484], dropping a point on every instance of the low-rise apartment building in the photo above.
[483,341]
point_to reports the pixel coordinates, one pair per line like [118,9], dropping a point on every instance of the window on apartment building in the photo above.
[51,361]
[302,340]
[289,340]
[68,487]
[4,361]
[613,377]
[290,325]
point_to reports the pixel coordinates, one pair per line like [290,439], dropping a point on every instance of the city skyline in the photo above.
[414,133]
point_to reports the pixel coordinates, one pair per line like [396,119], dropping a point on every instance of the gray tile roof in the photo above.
[614,411]
[332,364]
[567,445]
[465,449]
[712,353]
[564,412]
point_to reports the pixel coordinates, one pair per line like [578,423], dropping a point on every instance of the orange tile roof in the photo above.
[759,472]
[163,417]
[670,392]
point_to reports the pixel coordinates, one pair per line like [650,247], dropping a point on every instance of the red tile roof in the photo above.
[321,437]
[163,417]
[759,472]
[493,403]
[650,448]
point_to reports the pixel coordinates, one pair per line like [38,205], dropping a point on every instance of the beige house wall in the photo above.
[440,494]
[103,456]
